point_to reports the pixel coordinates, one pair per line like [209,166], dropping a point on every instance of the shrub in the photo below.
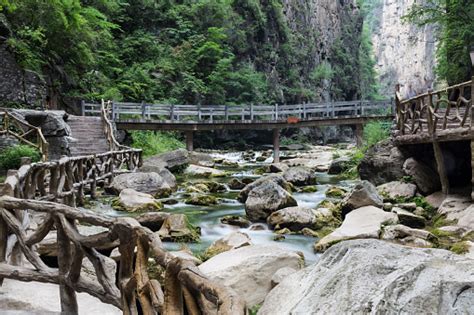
[155,142]
[11,157]
[374,132]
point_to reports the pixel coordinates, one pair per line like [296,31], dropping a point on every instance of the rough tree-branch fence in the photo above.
[53,189]
[10,125]
[436,113]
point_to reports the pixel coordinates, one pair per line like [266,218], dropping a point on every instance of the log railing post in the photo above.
[66,292]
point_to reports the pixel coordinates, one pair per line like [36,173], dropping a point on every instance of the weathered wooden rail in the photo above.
[244,113]
[10,125]
[31,190]
[442,115]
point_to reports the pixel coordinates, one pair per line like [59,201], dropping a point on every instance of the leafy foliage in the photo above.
[204,51]
[10,158]
[456,34]
[155,142]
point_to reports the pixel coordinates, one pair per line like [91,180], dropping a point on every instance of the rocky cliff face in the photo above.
[16,84]
[318,25]
[404,53]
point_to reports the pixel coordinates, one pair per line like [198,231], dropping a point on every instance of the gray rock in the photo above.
[236,184]
[409,219]
[293,218]
[362,194]
[278,167]
[248,270]
[203,171]
[425,178]
[281,274]
[405,235]
[376,277]
[382,163]
[172,160]
[396,189]
[265,199]
[152,220]
[339,165]
[176,228]
[133,201]
[277,179]
[231,241]
[201,159]
[365,222]
[454,205]
[150,183]
[300,176]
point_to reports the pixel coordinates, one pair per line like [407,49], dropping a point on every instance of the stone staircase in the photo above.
[88,135]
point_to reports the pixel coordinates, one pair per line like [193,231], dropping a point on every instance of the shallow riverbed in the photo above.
[208,217]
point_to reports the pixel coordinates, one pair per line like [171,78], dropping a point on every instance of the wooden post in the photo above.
[276,145]
[189,140]
[143,110]
[199,112]
[276,111]
[359,134]
[304,110]
[172,112]
[443,177]
[3,242]
[226,112]
[251,111]
[333,112]
[66,293]
[83,108]
[112,114]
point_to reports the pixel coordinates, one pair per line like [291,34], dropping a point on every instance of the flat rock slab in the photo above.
[365,222]
[43,298]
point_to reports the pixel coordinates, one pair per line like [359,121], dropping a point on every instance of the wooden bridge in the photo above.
[190,118]
[51,190]
[435,117]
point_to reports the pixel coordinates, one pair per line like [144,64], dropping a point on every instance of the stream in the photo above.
[208,217]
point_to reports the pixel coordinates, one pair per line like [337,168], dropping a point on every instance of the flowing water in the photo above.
[208,217]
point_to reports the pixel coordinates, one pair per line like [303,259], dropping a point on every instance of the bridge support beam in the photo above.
[359,132]
[276,145]
[189,140]
[443,177]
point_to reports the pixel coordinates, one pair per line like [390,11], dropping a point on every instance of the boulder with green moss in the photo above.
[177,228]
[229,242]
[335,192]
[150,183]
[201,200]
[300,176]
[235,220]
[309,189]
[203,171]
[133,201]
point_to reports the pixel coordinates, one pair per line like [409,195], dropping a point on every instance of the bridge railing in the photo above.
[248,112]
[29,192]
[436,112]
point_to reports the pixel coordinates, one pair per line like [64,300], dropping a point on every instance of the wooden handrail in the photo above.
[432,112]
[53,188]
[247,113]
[19,129]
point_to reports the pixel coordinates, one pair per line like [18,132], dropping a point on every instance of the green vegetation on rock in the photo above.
[10,158]
[153,143]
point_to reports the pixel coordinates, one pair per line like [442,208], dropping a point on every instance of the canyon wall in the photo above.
[404,53]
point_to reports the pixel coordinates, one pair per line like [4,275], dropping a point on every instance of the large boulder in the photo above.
[362,194]
[382,163]
[201,159]
[134,201]
[376,277]
[300,176]
[365,222]
[173,160]
[202,171]
[409,219]
[229,242]
[177,228]
[151,183]
[265,199]
[292,218]
[339,165]
[249,270]
[397,190]
[425,178]
[405,235]
[277,179]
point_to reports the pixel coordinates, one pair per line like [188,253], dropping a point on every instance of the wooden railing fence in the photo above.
[10,125]
[248,112]
[436,111]
[30,190]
